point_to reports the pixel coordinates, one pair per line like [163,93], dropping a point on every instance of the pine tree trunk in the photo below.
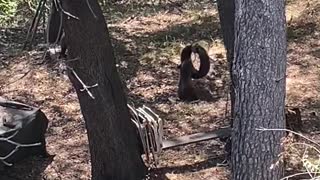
[113,143]
[258,77]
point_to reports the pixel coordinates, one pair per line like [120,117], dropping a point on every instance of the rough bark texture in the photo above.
[113,143]
[258,77]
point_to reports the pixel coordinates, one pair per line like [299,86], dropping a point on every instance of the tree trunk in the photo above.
[258,76]
[112,139]
[226,16]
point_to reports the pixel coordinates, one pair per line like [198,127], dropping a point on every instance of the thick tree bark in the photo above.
[258,76]
[113,143]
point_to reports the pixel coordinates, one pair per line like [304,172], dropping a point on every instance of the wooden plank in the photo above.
[197,137]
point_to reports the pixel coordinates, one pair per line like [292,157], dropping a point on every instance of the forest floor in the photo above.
[147,41]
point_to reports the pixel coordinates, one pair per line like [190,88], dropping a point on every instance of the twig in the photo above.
[195,101]
[44,56]
[315,178]
[265,129]
[42,7]
[94,15]
[227,103]
[71,60]
[24,75]
[58,3]
[34,24]
[297,174]
[310,146]
[85,87]
[224,163]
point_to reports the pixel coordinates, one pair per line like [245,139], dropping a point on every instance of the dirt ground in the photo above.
[147,40]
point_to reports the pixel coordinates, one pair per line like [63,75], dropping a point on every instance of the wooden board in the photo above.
[197,137]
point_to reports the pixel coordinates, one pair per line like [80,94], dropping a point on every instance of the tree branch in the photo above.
[85,87]
[59,5]
[94,15]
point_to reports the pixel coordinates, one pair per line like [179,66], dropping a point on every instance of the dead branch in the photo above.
[59,5]
[84,86]
[297,174]
[35,22]
[94,15]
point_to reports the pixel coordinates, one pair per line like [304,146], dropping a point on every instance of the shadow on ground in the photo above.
[29,167]
[125,10]
[160,173]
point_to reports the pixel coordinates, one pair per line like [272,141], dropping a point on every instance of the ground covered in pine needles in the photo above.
[147,40]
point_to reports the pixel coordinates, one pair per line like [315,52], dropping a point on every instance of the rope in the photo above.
[150,128]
